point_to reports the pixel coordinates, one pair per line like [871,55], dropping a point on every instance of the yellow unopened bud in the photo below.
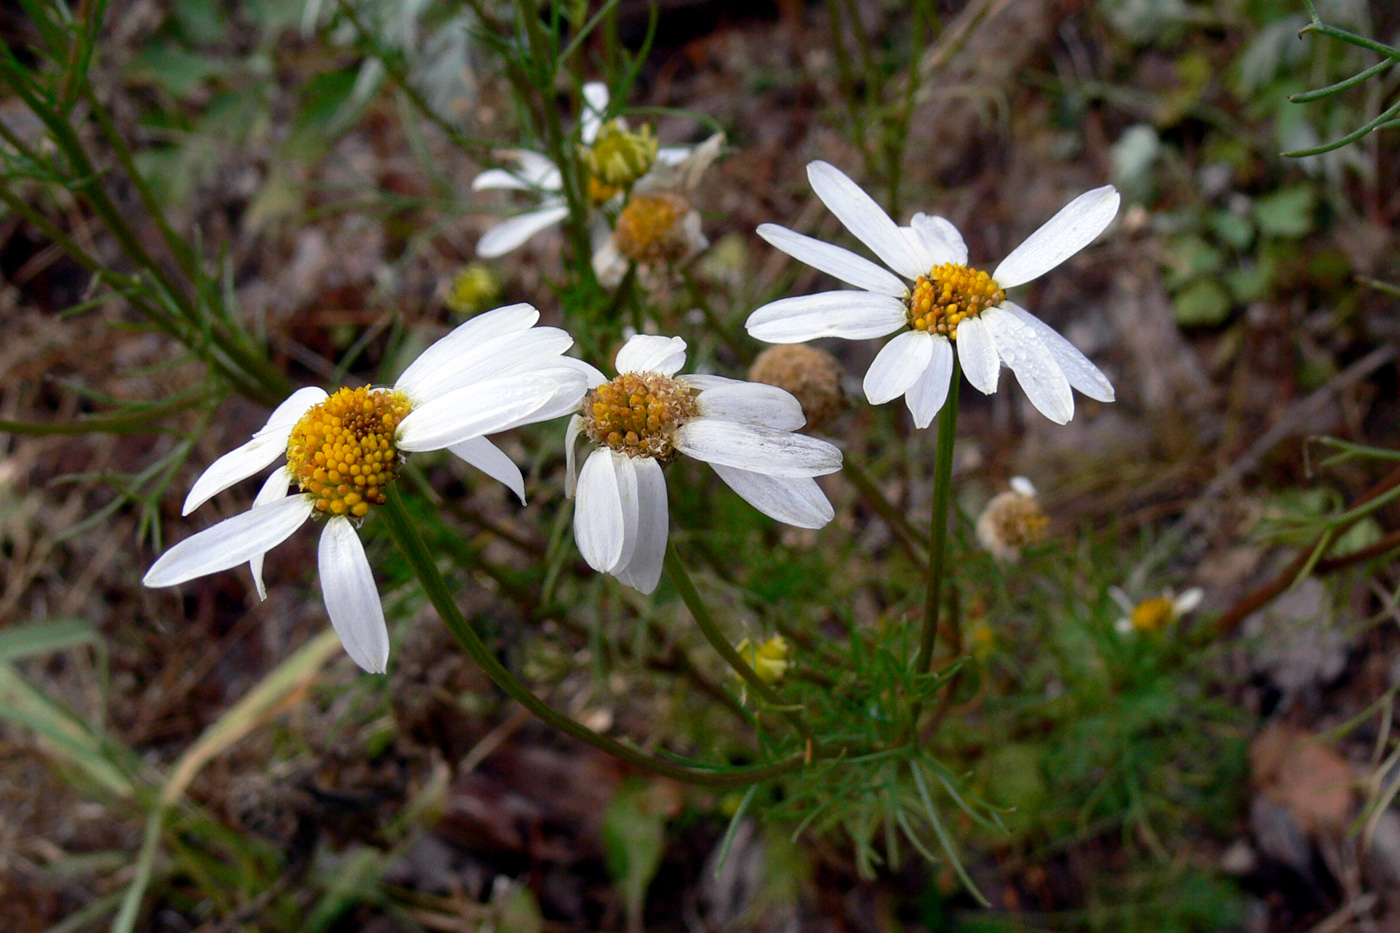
[473,289]
[618,156]
[768,659]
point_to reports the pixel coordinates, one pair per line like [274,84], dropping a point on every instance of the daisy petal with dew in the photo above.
[646,417]
[343,451]
[934,303]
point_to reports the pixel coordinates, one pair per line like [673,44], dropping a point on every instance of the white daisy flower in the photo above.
[606,144]
[646,417]
[496,371]
[1154,614]
[947,303]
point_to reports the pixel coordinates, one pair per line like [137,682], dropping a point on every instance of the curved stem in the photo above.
[411,545]
[680,577]
[938,521]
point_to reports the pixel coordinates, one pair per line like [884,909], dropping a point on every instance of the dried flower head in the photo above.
[1012,520]
[811,375]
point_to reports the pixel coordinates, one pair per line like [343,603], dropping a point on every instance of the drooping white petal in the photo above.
[926,396]
[648,353]
[898,365]
[595,106]
[851,315]
[835,261]
[571,434]
[673,155]
[1082,374]
[1020,484]
[484,408]
[600,527]
[275,488]
[752,403]
[510,233]
[444,354]
[491,460]
[236,465]
[759,449]
[352,600]
[940,239]
[1060,237]
[507,355]
[625,469]
[794,500]
[231,542]
[1034,367]
[866,219]
[643,570]
[978,354]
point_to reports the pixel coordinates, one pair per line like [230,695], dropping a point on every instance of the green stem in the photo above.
[410,544]
[938,521]
[680,577]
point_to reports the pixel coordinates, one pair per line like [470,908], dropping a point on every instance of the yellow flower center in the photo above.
[1151,615]
[650,228]
[342,450]
[950,294]
[638,414]
[769,659]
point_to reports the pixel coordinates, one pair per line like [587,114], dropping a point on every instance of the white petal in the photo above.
[1035,368]
[508,234]
[442,355]
[702,381]
[1060,237]
[928,393]
[1188,600]
[851,315]
[570,442]
[595,106]
[762,450]
[231,542]
[1121,598]
[285,416]
[835,261]
[625,469]
[266,445]
[491,460]
[674,155]
[864,218]
[496,179]
[643,571]
[646,353]
[941,240]
[536,169]
[352,600]
[1081,373]
[752,403]
[484,408]
[507,355]
[978,355]
[1023,486]
[236,465]
[600,528]
[897,366]
[276,487]
[571,385]
[794,500]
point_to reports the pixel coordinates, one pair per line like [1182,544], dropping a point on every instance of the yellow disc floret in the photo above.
[638,414]
[651,228]
[950,294]
[342,450]
[1152,615]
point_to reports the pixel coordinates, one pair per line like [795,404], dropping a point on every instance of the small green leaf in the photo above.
[634,838]
[1204,303]
[1287,213]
